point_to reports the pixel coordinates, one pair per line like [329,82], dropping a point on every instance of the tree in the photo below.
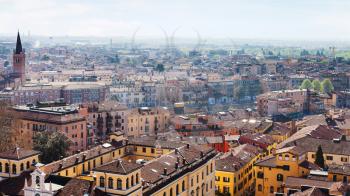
[160,67]
[316,85]
[319,160]
[306,84]
[52,145]
[327,86]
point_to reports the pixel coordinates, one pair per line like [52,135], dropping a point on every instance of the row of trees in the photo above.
[325,86]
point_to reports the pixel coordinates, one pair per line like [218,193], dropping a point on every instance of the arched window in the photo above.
[22,166]
[127,183]
[7,168]
[14,169]
[164,194]
[171,192]
[132,181]
[0,167]
[197,191]
[183,186]
[119,184]
[192,193]
[177,189]
[272,189]
[260,187]
[110,183]
[102,181]
[28,164]
[279,177]
[137,178]
[33,162]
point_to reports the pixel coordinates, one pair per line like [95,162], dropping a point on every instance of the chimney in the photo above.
[60,166]
[165,171]
[202,154]
[84,157]
[176,151]
[183,161]
[178,159]
[294,127]
[188,146]
[76,159]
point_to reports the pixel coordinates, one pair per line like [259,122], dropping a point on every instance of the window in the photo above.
[345,179]
[279,177]
[110,183]
[101,160]
[119,184]
[171,192]
[280,157]
[286,157]
[137,178]
[0,167]
[329,158]
[14,169]
[226,179]
[344,159]
[217,178]
[143,149]
[102,181]
[7,168]
[260,187]
[226,189]
[127,183]
[22,167]
[132,180]
[334,178]
[183,185]
[152,150]
[272,190]
[28,164]
[260,175]
[177,189]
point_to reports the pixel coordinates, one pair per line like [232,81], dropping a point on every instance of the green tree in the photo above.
[160,67]
[52,145]
[319,160]
[316,85]
[306,84]
[327,86]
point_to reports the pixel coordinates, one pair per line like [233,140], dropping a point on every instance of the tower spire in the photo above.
[18,44]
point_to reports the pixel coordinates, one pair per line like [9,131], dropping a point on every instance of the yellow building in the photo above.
[187,171]
[147,121]
[119,178]
[14,162]
[338,173]
[234,173]
[272,171]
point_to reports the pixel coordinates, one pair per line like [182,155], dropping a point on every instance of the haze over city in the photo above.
[174,98]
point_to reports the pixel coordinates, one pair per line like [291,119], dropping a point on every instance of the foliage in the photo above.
[52,145]
[6,63]
[306,84]
[319,159]
[316,85]
[160,67]
[327,86]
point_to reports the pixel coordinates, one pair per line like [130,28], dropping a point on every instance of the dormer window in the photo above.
[286,157]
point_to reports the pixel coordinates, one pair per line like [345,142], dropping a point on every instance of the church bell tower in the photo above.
[19,60]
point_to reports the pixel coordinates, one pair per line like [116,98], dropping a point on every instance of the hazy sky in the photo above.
[271,19]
